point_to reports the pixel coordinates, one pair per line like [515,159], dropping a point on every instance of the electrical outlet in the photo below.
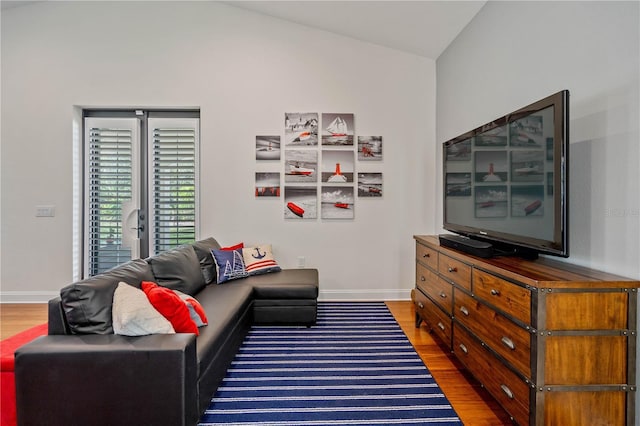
[45,211]
[301,261]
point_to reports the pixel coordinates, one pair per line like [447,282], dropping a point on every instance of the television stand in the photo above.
[554,343]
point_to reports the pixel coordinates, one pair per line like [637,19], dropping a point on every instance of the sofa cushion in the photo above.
[203,252]
[171,307]
[259,260]
[230,264]
[286,284]
[225,306]
[88,303]
[178,269]
[134,315]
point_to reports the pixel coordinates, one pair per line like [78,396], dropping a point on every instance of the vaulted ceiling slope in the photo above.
[421,27]
[424,28]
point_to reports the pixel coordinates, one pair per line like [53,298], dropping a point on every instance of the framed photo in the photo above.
[338,129]
[549,149]
[300,166]
[490,201]
[337,202]
[369,184]
[458,184]
[267,184]
[301,129]
[370,148]
[300,202]
[527,200]
[527,132]
[267,147]
[460,151]
[527,166]
[494,137]
[337,166]
[491,166]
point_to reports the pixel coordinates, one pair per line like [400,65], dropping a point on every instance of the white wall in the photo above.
[244,71]
[514,53]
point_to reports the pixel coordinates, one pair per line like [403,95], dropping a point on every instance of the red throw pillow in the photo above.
[238,246]
[171,307]
[198,308]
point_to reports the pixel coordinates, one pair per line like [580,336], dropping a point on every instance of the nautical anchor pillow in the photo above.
[259,259]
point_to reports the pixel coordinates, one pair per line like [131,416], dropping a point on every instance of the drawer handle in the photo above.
[495,292]
[426,255]
[452,269]
[507,391]
[420,305]
[441,326]
[422,278]
[463,348]
[464,310]
[444,296]
[508,343]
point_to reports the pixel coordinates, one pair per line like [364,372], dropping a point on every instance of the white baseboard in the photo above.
[27,296]
[351,295]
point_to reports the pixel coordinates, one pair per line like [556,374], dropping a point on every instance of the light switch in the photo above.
[45,211]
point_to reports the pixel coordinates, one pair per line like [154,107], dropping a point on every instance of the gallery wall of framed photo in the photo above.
[317,166]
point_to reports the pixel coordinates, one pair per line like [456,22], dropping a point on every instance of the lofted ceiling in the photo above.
[421,27]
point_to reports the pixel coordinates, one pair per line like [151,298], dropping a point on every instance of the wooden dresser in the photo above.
[554,343]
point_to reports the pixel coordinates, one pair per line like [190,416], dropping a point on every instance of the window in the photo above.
[141,184]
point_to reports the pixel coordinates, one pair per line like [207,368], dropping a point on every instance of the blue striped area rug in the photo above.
[355,367]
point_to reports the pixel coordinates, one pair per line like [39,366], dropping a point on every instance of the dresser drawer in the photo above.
[435,287]
[425,277]
[454,270]
[503,335]
[506,387]
[435,318]
[510,298]
[427,255]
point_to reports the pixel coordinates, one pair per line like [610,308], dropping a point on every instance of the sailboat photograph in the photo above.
[337,129]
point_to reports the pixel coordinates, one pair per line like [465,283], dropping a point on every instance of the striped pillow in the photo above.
[259,260]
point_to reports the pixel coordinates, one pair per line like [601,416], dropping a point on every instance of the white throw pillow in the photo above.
[134,315]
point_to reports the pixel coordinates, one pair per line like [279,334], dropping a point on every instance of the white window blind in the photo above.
[173,205]
[109,184]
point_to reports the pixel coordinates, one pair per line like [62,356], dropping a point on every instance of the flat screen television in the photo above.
[506,182]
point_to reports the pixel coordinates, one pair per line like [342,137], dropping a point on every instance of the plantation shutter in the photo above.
[109,185]
[173,146]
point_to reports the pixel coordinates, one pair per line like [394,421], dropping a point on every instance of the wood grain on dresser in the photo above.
[554,343]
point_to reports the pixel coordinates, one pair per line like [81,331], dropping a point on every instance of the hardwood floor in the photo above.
[17,317]
[472,403]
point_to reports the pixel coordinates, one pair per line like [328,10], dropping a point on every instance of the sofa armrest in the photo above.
[107,380]
[56,319]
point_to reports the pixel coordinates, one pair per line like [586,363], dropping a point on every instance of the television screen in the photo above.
[506,181]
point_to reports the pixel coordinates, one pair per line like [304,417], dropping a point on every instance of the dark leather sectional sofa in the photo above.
[82,373]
